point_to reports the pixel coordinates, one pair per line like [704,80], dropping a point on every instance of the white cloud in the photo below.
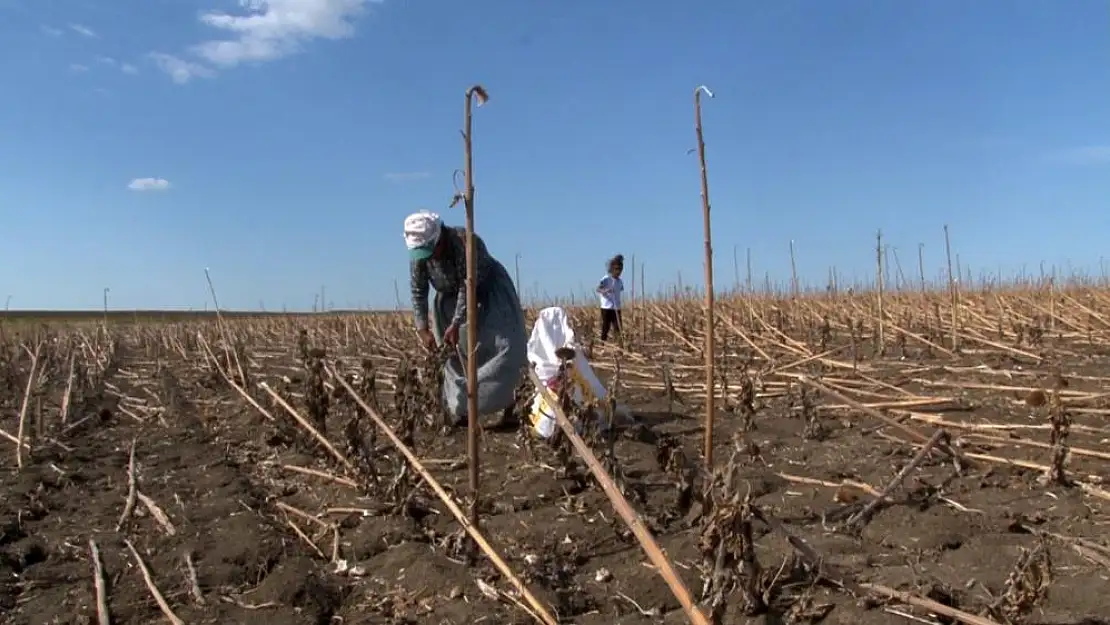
[149,184]
[53,32]
[77,67]
[1084,155]
[265,30]
[108,61]
[406,176]
[83,30]
[180,70]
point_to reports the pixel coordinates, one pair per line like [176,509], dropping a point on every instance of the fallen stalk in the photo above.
[541,613]
[152,588]
[23,406]
[309,428]
[864,515]
[132,489]
[832,574]
[624,509]
[871,412]
[103,616]
[194,583]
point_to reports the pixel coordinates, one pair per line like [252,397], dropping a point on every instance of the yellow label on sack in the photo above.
[578,383]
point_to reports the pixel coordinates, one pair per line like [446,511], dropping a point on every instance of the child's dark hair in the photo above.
[616,262]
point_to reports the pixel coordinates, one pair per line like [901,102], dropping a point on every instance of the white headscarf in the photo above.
[422,229]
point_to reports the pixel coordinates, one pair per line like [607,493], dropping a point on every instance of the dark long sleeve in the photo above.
[484,263]
[419,283]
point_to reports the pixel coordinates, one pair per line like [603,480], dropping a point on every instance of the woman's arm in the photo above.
[484,263]
[419,283]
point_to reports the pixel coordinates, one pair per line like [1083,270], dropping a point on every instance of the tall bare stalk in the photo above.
[478,92]
[710,387]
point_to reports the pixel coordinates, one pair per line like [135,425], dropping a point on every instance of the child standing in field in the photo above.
[609,291]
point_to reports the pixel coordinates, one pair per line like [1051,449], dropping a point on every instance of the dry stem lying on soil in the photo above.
[198,472]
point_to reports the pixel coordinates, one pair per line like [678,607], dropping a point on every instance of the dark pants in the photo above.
[610,319]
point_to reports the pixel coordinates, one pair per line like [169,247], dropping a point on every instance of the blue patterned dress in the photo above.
[502,340]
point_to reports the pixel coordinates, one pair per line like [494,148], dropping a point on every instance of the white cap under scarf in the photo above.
[422,229]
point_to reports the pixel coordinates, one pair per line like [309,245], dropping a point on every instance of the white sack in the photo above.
[551,331]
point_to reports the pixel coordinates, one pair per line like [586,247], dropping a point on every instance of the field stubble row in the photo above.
[935,462]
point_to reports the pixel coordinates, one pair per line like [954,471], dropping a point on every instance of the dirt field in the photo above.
[242,519]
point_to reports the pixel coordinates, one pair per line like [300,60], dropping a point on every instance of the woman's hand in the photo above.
[427,339]
[451,335]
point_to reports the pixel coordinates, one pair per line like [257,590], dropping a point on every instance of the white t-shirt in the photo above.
[610,294]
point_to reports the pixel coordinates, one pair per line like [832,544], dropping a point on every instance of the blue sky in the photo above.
[282,143]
